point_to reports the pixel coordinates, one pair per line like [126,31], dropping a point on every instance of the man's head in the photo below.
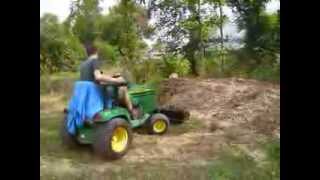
[91,49]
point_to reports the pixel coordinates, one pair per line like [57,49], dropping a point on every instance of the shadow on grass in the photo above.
[51,144]
[175,129]
[190,125]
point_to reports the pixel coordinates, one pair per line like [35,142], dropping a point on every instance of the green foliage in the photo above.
[267,37]
[61,82]
[119,36]
[107,52]
[83,17]
[211,64]
[209,67]
[146,72]
[192,20]
[152,71]
[176,64]
[267,72]
[262,36]
[59,49]
[123,28]
[241,63]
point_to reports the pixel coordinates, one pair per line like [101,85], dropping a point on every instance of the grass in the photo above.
[236,164]
[233,163]
[137,171]
[51,144]
[58,83]
[57,162]
[61,163]
[62,82]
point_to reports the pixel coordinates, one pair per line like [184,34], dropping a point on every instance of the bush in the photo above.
[148,71]
[211,65]
[61,82]
[175,64]
[267,72]
[107,52]
[59,49]
[240,63]
[208,67]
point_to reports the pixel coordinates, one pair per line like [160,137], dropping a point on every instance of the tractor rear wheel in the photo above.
[158,124]
[113,139]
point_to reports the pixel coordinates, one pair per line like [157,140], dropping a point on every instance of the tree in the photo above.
[185,25]
[124,28]
[221,18]
[58,48]
[262,36]
[83,18]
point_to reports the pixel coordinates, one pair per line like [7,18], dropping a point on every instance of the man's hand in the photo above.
[105,79]
[120,79]
[116,75]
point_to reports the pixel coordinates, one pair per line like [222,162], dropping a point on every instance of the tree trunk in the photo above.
[201,49]
[221,35]
[193,65]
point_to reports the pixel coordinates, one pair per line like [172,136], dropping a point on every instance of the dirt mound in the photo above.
[225,103]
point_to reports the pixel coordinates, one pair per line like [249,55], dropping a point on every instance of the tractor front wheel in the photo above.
[158,124]
[112,139]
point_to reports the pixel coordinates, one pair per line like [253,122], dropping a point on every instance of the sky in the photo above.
[61,8]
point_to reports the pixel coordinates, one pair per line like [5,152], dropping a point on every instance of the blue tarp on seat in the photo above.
[86,101]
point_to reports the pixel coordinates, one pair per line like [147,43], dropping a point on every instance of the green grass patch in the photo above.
[65,75]
[58,83]
[51,144]
[129,171]
[235,164]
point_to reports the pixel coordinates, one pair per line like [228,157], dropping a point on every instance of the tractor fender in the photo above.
[110,114]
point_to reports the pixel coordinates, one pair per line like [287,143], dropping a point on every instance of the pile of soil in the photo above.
[226,103]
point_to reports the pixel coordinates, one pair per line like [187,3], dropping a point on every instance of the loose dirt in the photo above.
[227,103]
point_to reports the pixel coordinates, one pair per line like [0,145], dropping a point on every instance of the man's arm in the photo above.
[106,79]
[98,76]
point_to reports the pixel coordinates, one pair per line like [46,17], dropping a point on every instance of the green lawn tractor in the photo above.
[110,133]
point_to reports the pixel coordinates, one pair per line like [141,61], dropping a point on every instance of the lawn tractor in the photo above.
[110,133]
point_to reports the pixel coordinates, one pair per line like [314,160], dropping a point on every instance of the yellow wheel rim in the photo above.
[119,139]
[159,126]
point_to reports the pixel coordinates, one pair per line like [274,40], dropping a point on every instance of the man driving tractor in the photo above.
[90,71]
[94,115]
